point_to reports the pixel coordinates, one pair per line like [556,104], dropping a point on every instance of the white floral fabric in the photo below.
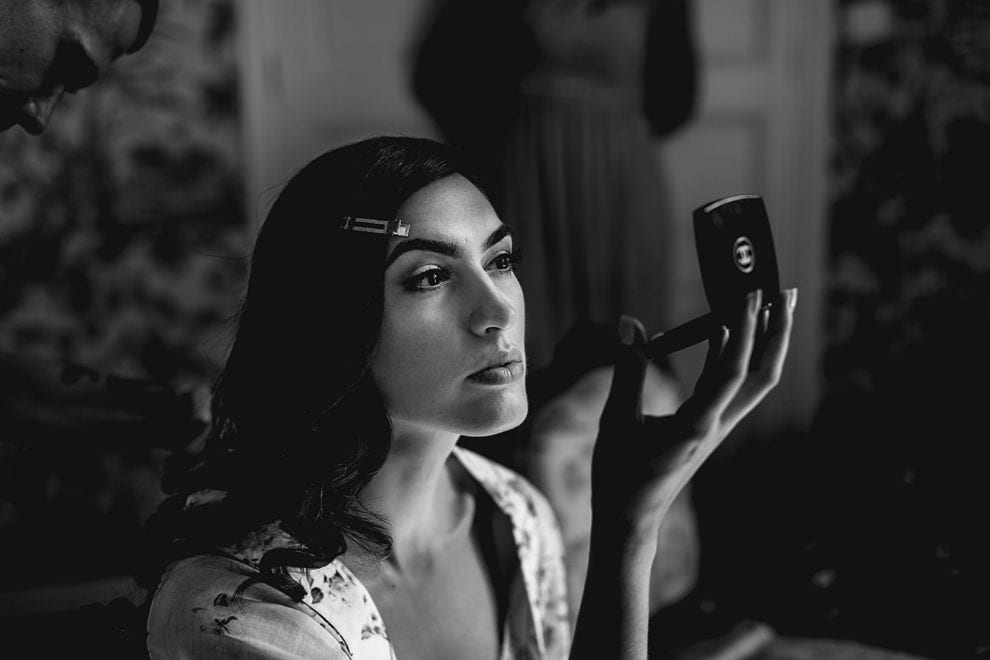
[194,615]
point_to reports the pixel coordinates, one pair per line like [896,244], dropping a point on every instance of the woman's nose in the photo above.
[493,310]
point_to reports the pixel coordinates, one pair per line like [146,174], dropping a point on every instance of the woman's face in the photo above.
[451,354]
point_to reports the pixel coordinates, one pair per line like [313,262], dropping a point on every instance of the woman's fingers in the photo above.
[766,368]
[724,374]
[739,349]
[768,365]
[762,326]
[716,344]
[625,398]
[778,338]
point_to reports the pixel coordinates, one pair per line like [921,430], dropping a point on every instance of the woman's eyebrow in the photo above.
[412,244]
[497,236]
[444,248]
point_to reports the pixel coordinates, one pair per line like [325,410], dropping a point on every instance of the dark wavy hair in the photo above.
[299,427]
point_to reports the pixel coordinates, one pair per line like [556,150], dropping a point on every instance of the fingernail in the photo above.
[792,299]
[627,332]
[754,299]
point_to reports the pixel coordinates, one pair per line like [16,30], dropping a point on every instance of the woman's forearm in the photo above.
[615,605]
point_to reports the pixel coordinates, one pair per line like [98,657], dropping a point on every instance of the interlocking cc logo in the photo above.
[743,254]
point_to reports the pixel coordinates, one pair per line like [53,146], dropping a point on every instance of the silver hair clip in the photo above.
[387,227]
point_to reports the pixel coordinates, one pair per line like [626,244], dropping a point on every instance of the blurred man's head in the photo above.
[52,47]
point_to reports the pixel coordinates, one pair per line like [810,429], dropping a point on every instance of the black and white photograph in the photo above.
[495,329]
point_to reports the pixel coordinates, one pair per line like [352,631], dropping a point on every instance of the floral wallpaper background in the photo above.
[909,315]
[113,220]
[905,412]
[122,239]
[871,527]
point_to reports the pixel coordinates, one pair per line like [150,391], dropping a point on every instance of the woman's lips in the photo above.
[501,374]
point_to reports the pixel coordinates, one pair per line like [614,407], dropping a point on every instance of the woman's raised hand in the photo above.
[642,462]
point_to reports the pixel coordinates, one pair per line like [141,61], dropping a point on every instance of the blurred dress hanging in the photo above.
[560,103]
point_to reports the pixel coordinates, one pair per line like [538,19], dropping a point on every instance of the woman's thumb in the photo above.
[626,395]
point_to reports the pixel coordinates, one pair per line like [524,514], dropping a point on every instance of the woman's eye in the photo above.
[426,279]
[505,261]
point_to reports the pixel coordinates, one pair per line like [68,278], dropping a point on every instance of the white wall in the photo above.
[317,73]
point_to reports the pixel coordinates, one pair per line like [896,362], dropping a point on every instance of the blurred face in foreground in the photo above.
[451,354]
[52,47]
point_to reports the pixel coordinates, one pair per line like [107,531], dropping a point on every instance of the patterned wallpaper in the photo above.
[871,527]
[122,249]
[909,238]
[120,226]
[899,451]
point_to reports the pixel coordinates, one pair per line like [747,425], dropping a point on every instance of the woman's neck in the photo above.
[417,493]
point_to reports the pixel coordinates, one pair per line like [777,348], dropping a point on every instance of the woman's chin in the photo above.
[497,415]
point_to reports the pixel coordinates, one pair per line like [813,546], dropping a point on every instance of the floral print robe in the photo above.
[193,614]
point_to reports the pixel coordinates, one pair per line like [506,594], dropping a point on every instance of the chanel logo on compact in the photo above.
[743,255]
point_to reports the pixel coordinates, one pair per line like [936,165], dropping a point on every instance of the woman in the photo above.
[334,516]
